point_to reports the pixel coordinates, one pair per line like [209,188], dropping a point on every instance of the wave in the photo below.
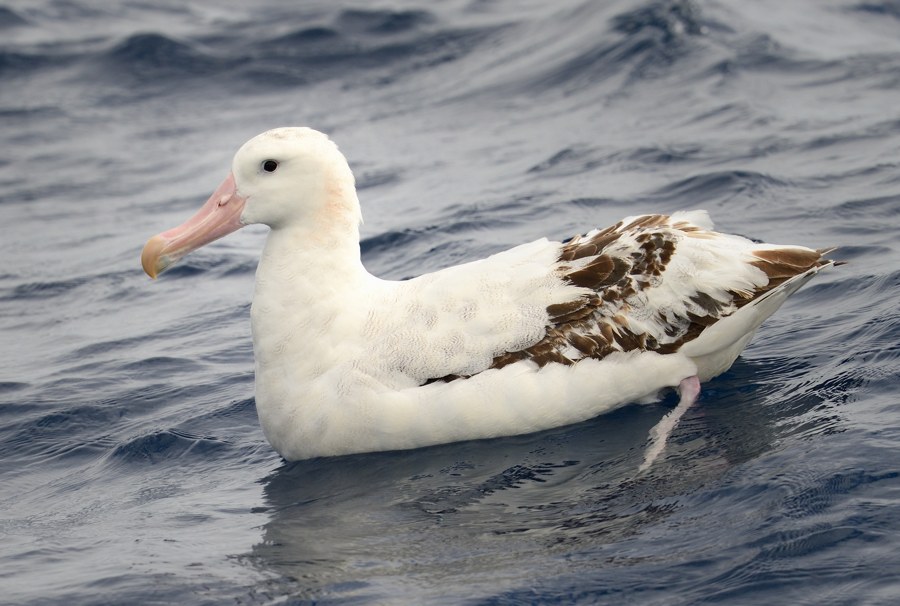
[9,18]
[602,50]
[14,64]
[390,44]
[153,56]
[889,8]
[169,444]
[717,185]
[382,43]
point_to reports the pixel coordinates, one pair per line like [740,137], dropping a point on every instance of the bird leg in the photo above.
[688,389]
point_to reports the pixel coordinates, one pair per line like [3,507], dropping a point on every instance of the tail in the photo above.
[716,348]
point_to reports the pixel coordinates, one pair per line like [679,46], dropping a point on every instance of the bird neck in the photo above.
[301,262]
[304,278]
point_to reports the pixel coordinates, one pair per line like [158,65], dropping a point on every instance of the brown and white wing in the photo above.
[655,283]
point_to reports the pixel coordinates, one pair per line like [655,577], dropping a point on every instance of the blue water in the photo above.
[132,466]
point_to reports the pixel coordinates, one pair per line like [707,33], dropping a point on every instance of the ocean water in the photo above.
[132,466]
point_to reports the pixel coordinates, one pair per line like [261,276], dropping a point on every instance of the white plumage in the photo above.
[538,336]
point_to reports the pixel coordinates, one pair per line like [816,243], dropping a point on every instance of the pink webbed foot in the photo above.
[689,390]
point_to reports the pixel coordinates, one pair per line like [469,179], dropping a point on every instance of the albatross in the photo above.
[539,336]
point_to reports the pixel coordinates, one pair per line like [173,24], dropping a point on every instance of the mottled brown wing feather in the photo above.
[596,325]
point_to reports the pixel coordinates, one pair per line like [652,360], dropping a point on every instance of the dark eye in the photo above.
[269,166]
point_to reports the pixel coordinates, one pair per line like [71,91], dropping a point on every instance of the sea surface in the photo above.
[132,466]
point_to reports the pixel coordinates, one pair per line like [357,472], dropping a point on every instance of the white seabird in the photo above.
[538,336]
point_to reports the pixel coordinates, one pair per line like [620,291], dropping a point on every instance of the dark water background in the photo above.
[132,466]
